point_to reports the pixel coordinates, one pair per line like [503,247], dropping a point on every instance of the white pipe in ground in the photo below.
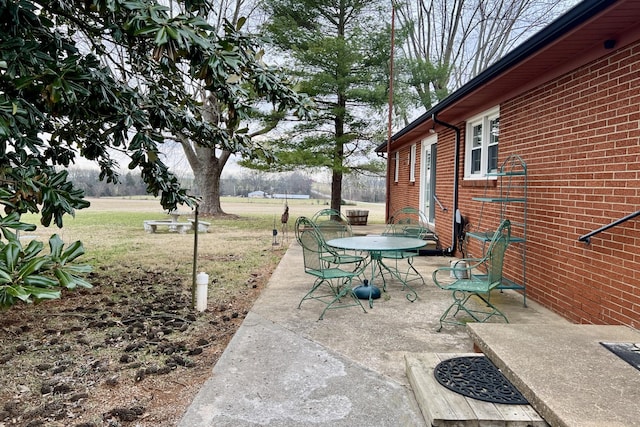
[202,282]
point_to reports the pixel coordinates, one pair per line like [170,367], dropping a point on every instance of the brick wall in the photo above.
[404,192]
[444,186]
[580,137]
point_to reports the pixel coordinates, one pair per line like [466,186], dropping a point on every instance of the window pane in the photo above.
[494,128]
[493,159]
[477,136]
[492,149]
[475,160]
[396,167]
[482,134]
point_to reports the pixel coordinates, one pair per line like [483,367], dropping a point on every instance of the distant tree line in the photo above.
[360,188]
[130,184]
[271,183]
[356,187]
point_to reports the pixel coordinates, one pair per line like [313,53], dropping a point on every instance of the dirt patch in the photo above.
[128,352]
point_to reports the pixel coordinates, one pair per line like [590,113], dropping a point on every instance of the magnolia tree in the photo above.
[62,98]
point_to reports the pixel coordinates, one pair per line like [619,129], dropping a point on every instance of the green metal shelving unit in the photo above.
[512,200]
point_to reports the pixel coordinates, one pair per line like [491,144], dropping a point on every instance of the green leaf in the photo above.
[172,32]
[18,292]
[65,279]
[161,36]
[42,293]
[73,251]
[5,277]
[146,30]
[32,250]
[41,282]
[13,221]
[32,267]
[70,281]
[55,247]
[240,23]
[10,255]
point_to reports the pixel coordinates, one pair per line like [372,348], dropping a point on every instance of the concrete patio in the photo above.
[285,368]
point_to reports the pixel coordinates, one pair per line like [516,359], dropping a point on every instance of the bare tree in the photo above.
[448,42]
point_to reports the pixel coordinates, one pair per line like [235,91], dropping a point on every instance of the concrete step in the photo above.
[565,371]
[443,407]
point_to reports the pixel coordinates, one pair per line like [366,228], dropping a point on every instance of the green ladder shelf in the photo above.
[512,201]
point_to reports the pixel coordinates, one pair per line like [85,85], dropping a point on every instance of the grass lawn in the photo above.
[132,349]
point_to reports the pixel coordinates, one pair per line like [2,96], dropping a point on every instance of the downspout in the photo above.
[450,251]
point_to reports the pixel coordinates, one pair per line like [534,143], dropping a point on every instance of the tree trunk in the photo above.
[208,181]
[207,163]
[338,155]
[209,185]
[207,169]
[336,190]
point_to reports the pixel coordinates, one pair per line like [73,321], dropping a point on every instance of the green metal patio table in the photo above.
[375,245]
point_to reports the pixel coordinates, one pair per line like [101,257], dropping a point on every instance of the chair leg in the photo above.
[460,299]
[310,295]
[444,316]
[494,310]
[403,277]
[345,290]
[415,273]
[411,271]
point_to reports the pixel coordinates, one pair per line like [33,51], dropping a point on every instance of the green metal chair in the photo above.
[406,222]
[332,284]
[333,225]
[465,282]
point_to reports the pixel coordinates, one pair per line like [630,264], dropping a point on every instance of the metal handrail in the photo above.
[439,204]
[587,237]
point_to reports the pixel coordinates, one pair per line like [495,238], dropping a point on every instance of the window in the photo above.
[412,164]
[482,144]
[396,167]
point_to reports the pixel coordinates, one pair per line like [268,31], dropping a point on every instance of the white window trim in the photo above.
[396,167]
[412,164]
[484,119]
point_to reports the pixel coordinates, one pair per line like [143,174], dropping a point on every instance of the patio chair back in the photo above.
[332,224]
[494,256]
[327,230]
[409,222]
[312,243]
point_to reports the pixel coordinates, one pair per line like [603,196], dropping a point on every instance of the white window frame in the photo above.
[396,167]
[477,143]
[412,164]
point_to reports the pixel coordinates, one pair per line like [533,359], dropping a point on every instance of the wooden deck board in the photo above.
[442,407]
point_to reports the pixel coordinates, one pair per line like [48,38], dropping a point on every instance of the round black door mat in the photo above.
[478,378]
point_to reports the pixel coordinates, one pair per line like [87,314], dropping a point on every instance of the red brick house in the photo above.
[566,103]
